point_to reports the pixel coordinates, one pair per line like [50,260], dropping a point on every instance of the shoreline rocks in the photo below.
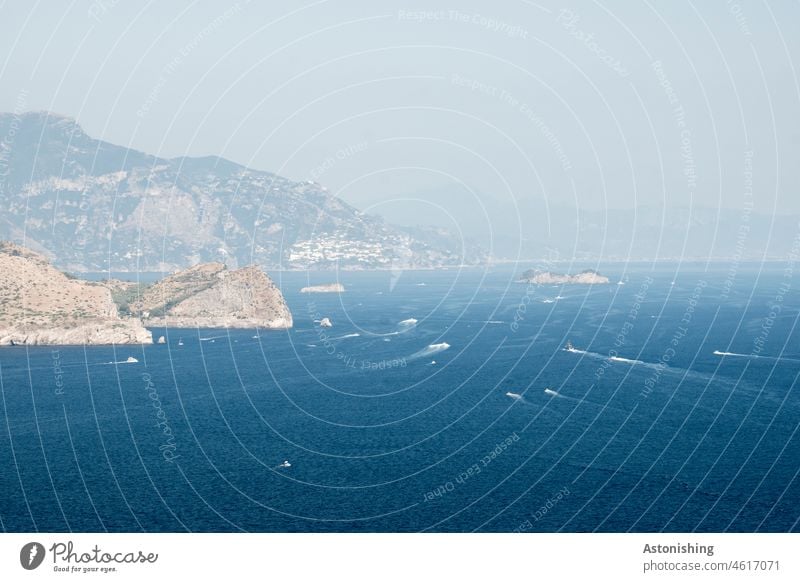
[91,333]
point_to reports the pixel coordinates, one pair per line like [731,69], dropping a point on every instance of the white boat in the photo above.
[131,360]
[180,341]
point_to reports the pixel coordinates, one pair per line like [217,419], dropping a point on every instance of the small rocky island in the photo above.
[40,305]
[587,277]
[211,295]
[329,288]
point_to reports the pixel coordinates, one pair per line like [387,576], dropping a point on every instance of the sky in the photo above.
[437,111]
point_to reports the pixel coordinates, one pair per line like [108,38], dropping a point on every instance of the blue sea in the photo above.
[438,401]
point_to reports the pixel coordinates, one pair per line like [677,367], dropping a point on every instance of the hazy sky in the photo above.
[593,104]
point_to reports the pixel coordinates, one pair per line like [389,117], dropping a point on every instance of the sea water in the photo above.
[438,401]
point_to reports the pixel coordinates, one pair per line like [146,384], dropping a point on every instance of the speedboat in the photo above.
[131,360]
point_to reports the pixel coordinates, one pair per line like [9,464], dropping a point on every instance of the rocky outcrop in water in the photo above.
[329,288]
[39,305]
[211,295]
[587,277]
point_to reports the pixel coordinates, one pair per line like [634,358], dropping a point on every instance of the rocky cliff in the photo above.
[41,305]
[588,277]
[210,295]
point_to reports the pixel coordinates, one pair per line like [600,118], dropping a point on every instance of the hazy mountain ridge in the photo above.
[95,206]
[528,226]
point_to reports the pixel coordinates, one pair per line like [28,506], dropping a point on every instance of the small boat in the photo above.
[131,360]
[285,464]
[180,341]
[569,347]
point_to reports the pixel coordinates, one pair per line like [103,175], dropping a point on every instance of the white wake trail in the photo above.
[429,351]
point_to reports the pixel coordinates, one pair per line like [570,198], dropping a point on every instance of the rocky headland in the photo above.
[211,295]
[40,305]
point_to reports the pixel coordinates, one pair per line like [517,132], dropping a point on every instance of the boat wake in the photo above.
[753,356]
[130,360]
[402,327]
[519,398]
[345,336]
[573,350]
[629,361]
[585,353]
[429,351]
[733,354]
[554,394]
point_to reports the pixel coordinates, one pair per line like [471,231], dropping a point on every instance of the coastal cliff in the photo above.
[210,295]
[39,305]
[587,277]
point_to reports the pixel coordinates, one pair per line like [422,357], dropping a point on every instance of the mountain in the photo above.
[94,206]
[528,226]
[211,295]
[40,305]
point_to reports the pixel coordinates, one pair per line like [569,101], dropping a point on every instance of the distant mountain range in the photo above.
[531,228]
[93,206]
